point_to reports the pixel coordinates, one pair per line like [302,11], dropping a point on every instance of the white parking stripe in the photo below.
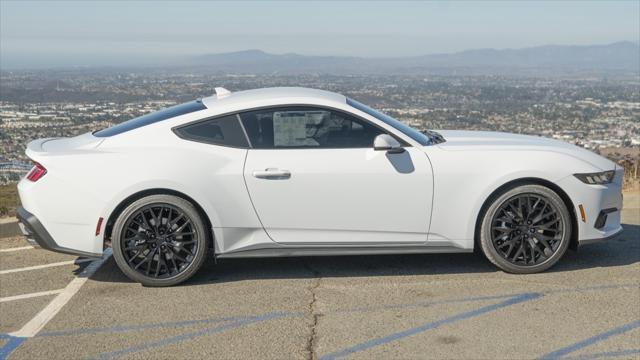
[16,249]
[44,266]
[36,324]
[30,295]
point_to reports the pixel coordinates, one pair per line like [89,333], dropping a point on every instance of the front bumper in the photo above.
[38,236]
[613,236]
[598,208]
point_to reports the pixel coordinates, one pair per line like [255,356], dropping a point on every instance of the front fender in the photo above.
[464,180]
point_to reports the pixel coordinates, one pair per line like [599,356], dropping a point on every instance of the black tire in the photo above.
[159,240]
[531,239]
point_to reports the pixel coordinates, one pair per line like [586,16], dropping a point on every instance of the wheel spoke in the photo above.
[136,255]
[134,237]
[520,250]
[146,259]
[529,208]
[177,255]
[185,242]
[175,266]
[543,216]
[182,248]
[547,224]
[548,250]
[154,218]
[145,221]
[516,210]
[182,233]
[160,255]
[543,237]
[506,220]
[171,223]
[181,227]
[533,248]
[134,247]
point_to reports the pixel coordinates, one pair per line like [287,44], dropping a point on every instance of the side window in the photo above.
[225,131]
[307,127]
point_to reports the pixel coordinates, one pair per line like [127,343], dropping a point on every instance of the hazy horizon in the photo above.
[70,34]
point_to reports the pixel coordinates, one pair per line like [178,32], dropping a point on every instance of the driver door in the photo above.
[315,179]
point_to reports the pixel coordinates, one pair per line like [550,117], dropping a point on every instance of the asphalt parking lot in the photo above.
[418,306]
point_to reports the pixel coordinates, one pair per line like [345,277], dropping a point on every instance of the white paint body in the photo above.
[428,197]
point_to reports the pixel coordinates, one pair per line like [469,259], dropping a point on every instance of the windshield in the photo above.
[151,118]
[405,129]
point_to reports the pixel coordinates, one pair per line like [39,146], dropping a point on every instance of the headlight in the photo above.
[600,178]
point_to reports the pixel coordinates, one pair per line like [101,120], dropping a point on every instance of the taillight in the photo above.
[36,172]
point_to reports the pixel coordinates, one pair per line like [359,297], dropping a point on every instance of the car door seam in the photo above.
[246,186]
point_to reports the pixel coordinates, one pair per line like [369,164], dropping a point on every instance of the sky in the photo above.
[92,33]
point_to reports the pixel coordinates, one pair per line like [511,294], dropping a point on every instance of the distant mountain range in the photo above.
[617,57]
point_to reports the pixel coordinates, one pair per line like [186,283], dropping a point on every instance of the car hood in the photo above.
[458,140]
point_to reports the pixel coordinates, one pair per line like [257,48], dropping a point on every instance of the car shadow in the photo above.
[625,250]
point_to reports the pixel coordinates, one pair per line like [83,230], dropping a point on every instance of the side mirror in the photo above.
[388,143]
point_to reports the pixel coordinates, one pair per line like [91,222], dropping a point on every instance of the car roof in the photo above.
[275,95]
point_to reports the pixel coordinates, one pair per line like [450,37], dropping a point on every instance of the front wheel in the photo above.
[526,229]
[159,240]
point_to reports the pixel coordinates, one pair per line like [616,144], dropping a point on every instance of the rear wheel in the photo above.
[526,229]
[159,240]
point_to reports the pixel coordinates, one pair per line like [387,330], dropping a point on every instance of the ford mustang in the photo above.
[299,172]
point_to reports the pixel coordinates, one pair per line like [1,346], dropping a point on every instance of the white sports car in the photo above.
[295,172]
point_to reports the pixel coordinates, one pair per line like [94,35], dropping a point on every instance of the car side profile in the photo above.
[298,172]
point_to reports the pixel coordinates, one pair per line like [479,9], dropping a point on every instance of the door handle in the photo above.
[272,174]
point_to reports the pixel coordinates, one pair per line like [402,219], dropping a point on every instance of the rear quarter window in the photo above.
[224,131]
[151,118]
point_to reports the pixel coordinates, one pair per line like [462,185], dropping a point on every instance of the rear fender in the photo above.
[171,186]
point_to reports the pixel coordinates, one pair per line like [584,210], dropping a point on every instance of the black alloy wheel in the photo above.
[526,230]
[160,240]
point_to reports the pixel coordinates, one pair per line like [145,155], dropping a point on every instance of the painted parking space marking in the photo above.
[431,325]
[44,266]
[174,339]
[604,355]
[453,300]
[12,343]
[30,295]
[234,322]
[592,340]
[16,249]
[129,328]
[36,324]
[31,329]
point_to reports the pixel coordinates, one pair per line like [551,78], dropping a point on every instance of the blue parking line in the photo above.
[10,345]
[174,339]
[592,340]
[595,288]
[486,297]
[127,328]
[604,355]
[432,325]
[428,303]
